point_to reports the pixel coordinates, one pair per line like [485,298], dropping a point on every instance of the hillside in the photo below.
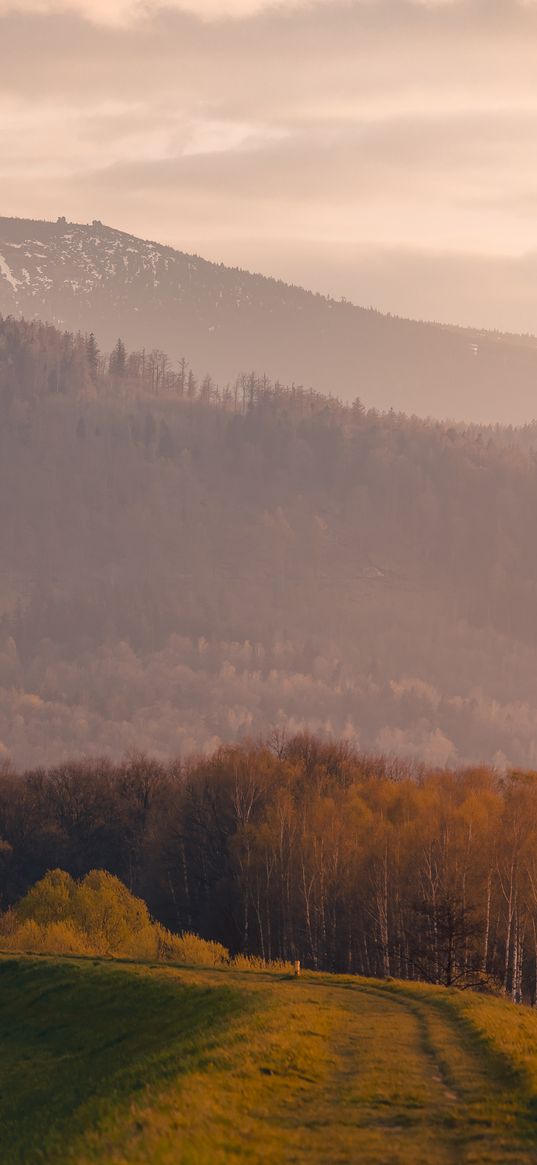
[155,1068]
[182,567]
[226,321]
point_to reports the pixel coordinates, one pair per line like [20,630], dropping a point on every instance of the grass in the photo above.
[80,1039]
[104,1063]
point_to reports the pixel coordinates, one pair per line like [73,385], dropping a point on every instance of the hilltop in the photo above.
[183,566]
[167,1068]
[228,321]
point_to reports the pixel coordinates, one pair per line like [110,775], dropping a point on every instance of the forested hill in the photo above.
[182,565]
[226,320]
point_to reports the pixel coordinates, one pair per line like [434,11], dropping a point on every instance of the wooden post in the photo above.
[297,967]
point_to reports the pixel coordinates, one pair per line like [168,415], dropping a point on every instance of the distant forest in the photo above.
[90,277]
[185,564]
[301,849]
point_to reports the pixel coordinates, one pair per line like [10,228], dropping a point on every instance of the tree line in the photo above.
[299,848]
[39,361]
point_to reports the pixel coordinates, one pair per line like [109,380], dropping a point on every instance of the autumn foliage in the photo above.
[300,849]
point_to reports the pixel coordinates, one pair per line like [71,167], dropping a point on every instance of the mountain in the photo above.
[226,321]
[182,566]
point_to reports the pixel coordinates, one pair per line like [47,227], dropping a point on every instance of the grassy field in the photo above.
[111,1063]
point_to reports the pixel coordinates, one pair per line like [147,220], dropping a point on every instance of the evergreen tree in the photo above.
[117,364]
[92,356]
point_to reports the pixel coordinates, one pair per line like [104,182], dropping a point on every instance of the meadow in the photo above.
[110,1062]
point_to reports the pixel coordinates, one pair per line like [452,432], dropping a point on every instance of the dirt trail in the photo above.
[404,1088]
[321,1071]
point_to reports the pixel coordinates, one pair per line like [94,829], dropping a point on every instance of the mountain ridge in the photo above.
[93,277]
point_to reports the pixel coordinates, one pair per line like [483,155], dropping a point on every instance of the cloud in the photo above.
[474,289]
[122,12]
[394,181]
[288,136]
[110,12]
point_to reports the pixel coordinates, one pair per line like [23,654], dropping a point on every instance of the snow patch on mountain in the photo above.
[6,273]
[226,321]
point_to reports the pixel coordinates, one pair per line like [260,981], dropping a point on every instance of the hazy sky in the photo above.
[385,150]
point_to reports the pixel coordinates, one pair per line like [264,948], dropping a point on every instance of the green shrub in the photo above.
[97,916]
[52,899]
[55,938]
[190,948]
[256,963]
[99,908]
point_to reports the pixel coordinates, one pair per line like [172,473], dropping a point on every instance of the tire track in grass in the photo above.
[489,1122]
[421,1100]
[377,1103]
[309,1071]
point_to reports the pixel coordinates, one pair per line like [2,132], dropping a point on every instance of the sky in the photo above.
[380,150]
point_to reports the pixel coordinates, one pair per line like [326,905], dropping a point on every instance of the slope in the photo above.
[179,570]
[103,1063]
[225,321]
